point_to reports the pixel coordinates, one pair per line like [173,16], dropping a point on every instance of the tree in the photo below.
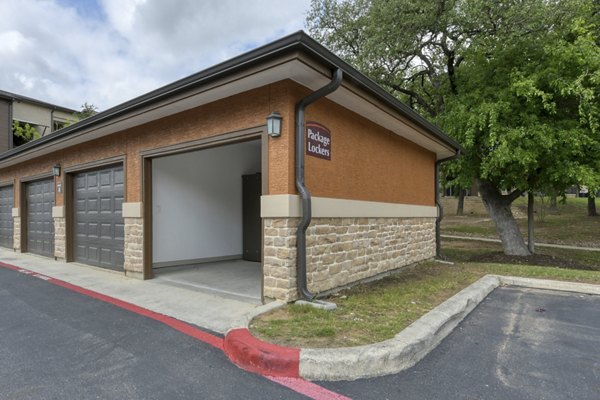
[487,73]
[87,110]
[23,133]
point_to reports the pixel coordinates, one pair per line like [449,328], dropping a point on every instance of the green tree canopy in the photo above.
[24,133]
[87,110]
[514,81]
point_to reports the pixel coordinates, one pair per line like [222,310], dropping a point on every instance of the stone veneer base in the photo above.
[60,238]
[134,247]
[341,251]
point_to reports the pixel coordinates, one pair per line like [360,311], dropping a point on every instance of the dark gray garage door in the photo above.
[40,225]
[99,229]
[6,219]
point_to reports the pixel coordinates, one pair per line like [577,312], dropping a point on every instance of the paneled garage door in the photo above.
[40,225]
[6,219]
[98,223]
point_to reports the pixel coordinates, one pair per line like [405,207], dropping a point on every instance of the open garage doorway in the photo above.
[206,226]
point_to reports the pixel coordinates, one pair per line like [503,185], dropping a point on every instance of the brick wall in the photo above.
[341,251]
[361,168]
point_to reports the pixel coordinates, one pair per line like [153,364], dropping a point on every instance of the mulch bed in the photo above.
[536,259]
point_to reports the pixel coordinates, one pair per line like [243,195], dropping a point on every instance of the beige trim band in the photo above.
[58,212]
[16,212]
[288,206]
[132,210]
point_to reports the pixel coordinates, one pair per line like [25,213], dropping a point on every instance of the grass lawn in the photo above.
[569,224]
[377,311]
[471,250]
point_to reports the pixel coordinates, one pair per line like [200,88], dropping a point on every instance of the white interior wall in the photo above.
[197,202]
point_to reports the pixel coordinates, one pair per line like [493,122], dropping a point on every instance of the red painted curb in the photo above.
[251,354]
[278,364]
[176,324]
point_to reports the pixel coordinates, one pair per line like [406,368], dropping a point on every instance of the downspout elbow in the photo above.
[303,191]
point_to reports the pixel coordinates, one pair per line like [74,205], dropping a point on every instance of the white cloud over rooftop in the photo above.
[108,51]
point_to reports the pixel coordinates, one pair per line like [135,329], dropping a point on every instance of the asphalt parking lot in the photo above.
[517,344]
[59,344]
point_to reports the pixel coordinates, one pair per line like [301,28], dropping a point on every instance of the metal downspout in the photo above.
[440,216]
[300,184]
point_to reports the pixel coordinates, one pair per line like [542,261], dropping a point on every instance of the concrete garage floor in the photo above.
[238,279]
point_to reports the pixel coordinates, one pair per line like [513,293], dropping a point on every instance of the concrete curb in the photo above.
[391,356]
[404,350]
[545,284]
[254,355]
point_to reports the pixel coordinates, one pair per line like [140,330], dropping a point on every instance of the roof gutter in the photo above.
[295,41]
[440,216]
[300,184]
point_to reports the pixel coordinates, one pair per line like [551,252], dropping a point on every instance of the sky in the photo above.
[105,52]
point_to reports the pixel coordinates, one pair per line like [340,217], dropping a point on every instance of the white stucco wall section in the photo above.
[289,206]
[32,113]
[197,202]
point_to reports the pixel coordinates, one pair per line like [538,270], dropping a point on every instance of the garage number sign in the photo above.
[318,141]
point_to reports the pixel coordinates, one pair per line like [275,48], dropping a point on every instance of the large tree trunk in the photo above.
[498,206]
[553,203]
[592,207]
[460,209]
[530,220]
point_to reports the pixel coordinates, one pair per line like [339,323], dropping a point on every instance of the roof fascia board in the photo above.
[311,46]
[240,63]
[350,88]
[202,95]
[170,93]
[25,99]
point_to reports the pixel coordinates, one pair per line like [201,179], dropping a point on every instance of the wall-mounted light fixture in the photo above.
[56,170]
[274,124]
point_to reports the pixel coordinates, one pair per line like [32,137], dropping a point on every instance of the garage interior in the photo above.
[206,226]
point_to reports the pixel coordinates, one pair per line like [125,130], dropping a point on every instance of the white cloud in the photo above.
[60,54]
[11,42]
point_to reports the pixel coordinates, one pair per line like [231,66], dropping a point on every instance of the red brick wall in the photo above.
[238,112]
[368,162]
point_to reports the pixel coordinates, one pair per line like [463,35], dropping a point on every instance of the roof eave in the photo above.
[293,42]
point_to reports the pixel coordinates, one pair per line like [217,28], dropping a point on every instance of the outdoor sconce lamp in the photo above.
[56,170]
[274,124]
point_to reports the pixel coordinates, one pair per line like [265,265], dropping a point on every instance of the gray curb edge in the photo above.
[418,339]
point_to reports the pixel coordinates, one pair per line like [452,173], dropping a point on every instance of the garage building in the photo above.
[190,180]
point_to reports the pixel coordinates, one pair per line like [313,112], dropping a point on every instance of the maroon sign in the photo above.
[318,141]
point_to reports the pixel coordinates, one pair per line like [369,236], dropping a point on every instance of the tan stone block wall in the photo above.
[17,234]
[60,238]
[134,247]
[279,265]
[341,251]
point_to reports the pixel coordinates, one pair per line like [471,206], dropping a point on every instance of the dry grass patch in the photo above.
[568,224]
[377,311]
